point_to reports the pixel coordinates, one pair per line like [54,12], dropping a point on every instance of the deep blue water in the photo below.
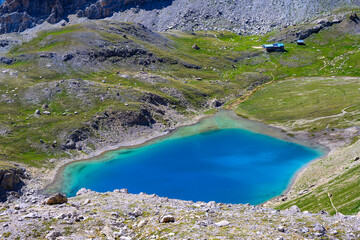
[230,165]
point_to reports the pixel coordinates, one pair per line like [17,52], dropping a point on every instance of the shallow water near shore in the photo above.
[223,158]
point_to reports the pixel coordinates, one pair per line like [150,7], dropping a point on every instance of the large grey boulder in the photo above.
[58,198]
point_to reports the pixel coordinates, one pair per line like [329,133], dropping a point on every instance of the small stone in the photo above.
[196,47]
[61,216]
[67,57]
[167,219]
[294,209]
[222,223]
[319,228]
[86,201]
[103,81]
[125,238]
[211,204]
[142,223]
[124,190]
[107,231]
[304,230]
[281,229]
[357,158]
[37,112]
[333,232]
[53,235]
[323,212]
[47,113]
[32,215]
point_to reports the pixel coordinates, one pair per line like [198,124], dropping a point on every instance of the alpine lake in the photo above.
[223,158]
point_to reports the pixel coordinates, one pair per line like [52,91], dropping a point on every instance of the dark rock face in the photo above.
[18,15]
[123,118]
[11,178]
[154,99]
[11,182]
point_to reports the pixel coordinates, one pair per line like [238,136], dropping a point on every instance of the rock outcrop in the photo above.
[11,178]
[11,181]
[18,15]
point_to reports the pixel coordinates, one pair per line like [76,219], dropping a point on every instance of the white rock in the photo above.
[61,216]
[81,191]
[142,223]
[32,215]
[125,238]
[222,223]
[107,231]
[294,209]
[86,201]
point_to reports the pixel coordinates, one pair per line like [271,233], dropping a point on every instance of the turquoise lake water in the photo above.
[225,165]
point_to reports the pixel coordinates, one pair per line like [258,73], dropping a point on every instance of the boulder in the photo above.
[215,103]
[167,219]
[354,17]
[222,223]
[319,228]
[70,144]
[294,209]
[56,199]
[196,47]
[9,180]
[281,229]
[67,57]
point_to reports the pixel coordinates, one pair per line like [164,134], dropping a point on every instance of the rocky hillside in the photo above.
[240,16]
[119,215]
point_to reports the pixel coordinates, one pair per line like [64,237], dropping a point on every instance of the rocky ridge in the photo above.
[18,15]
[239,16]
[120,215]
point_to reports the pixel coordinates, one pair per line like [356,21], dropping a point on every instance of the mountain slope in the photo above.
[240,16]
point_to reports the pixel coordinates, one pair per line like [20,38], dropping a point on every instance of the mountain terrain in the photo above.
[78,78]
[239,16]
